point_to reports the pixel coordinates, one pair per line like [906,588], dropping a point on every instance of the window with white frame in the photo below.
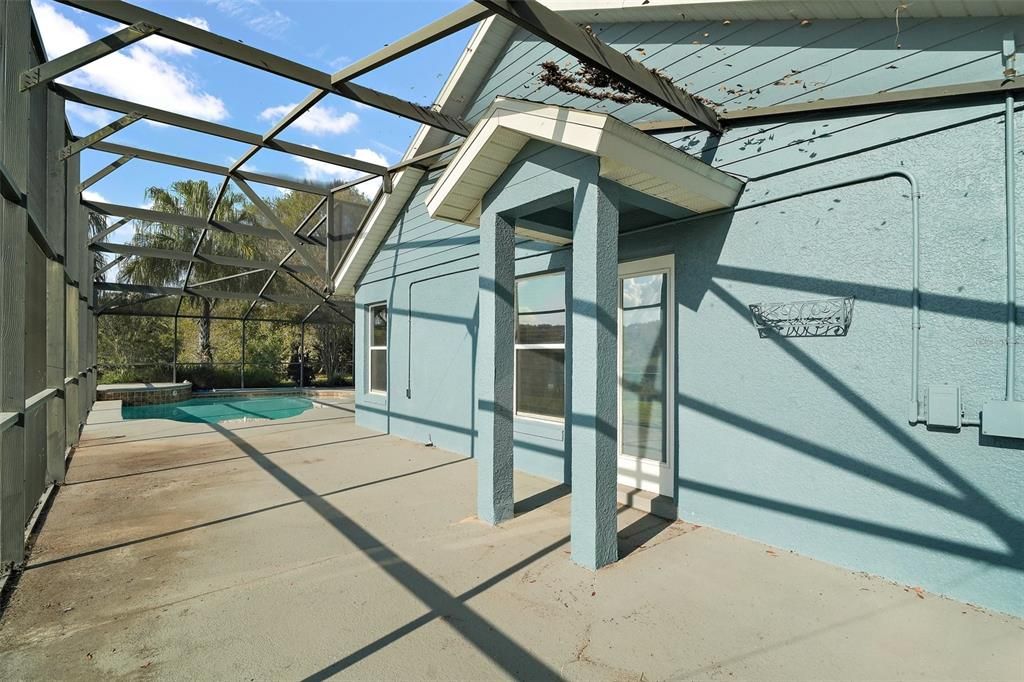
[540,346]
[377,361]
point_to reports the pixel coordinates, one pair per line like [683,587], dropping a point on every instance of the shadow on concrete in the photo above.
[501,649]
[266,465]
[104,441]
[538,500]
[639,533]
[219,461]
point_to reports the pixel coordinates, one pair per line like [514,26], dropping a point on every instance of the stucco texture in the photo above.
[802,443]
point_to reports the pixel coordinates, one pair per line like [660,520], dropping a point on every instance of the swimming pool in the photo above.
[215,410]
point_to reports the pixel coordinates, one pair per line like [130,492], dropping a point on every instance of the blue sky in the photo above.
[323,34]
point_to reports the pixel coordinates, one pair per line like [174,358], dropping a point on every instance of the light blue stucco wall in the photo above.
[800,443]
[432,352]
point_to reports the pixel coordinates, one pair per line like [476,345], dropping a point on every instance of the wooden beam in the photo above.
[106,131]
[414,161]
[121,287]
[175,219]
[118,310]
[96,99]
[588,48]
[287,257]
[213,169]
[76,59]
[116,225]
[225,278]
[892,99]
[400,107]
[127,13]
[107,309]
[168,254]
[116,261]
[103,172]
[442,28]
[319,266]
[310,101]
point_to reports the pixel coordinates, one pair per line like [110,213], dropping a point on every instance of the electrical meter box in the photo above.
[1003,418]
[944,406]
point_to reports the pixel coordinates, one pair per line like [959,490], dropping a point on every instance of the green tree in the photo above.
[134,348]
[330,341]
[192,198]
[332,348]
[292,207]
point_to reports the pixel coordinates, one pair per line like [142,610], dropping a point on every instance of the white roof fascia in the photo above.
[615,11]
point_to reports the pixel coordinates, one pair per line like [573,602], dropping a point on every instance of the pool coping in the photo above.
[161,394]
[256,392]
[110,411]
[145,394]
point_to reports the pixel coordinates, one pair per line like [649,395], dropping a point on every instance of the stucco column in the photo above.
[594,362]
[494,370]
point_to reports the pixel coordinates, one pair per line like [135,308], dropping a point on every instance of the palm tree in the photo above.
[97,223]
[191,198]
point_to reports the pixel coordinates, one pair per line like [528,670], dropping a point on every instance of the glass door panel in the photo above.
[643,335]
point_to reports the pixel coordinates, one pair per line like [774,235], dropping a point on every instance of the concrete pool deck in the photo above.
[311,547]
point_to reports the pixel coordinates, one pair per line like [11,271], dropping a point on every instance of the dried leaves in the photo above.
[589,82]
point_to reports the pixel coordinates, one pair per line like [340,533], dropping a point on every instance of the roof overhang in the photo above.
[612,11]
[627,156]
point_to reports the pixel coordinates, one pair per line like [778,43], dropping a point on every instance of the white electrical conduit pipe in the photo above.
[1011,257]
[913,408]
[1011,254]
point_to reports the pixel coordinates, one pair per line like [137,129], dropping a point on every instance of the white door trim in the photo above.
[638,472]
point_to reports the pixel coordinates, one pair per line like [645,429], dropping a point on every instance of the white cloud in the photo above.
[198,22]
[60,34]
[138,73]
[388,148]
[90,115]
[255,15]
[318,171]
[320,120]
[338,62]
[271,22]
[248,165]
[165,46]
[90,195]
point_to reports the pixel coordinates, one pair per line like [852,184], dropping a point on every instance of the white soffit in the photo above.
[628,156]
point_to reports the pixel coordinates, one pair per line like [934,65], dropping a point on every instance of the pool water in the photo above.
[215,410]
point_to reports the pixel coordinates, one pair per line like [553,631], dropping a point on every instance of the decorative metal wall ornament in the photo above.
[824,317]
